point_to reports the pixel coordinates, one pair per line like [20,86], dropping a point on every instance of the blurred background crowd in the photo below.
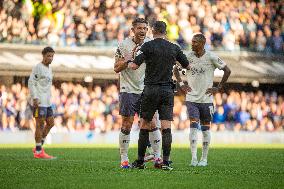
[230,25]
[95,108]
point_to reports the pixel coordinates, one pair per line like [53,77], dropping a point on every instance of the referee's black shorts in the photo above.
[157,97]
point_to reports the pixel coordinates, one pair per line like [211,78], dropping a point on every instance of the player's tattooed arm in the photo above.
[120,63]
[214,90]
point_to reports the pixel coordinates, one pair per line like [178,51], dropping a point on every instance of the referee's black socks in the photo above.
[142,143]
[166,143]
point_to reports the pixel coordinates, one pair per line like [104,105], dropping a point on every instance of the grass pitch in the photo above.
[93,166]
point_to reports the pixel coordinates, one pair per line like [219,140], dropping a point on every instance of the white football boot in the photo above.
[202,163]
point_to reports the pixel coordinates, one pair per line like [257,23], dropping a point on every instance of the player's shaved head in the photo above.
[198,42]
[200,37]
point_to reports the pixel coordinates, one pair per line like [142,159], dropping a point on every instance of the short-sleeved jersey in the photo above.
[131,81]
[40,82]
[201,74]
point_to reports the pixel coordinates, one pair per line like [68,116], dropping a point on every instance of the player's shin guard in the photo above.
[155,140]
[206,141]
[193,139]
[149,147]
[166,143]
[124,139]
[142,143]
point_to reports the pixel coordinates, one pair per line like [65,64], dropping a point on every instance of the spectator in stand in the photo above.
[96,108]
[228,24]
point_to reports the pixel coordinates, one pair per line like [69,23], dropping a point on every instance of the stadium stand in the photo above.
[229,25]
[96,108]
[248,35]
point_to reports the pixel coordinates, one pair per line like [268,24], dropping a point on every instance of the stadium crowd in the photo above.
[228,24]
[96,108]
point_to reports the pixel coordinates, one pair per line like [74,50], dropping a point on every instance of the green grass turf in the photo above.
[97,166]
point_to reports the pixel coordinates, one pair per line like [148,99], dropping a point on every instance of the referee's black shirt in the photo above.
[160,56]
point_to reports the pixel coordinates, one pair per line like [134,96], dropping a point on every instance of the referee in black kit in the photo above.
[160,56]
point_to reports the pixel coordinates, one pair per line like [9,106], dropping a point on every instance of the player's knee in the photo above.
[205,123]
[205,127]
[127,123]
[194,120]
[152,125]
[165,124]
[50,122]
[125,131]
[194,124]
[145,124]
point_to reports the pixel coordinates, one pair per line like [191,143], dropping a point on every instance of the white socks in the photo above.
[205,145]
[123,146]
[193,137]
[193,142]
[155,138]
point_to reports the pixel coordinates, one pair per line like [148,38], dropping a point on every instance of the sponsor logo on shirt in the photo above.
[195,71]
